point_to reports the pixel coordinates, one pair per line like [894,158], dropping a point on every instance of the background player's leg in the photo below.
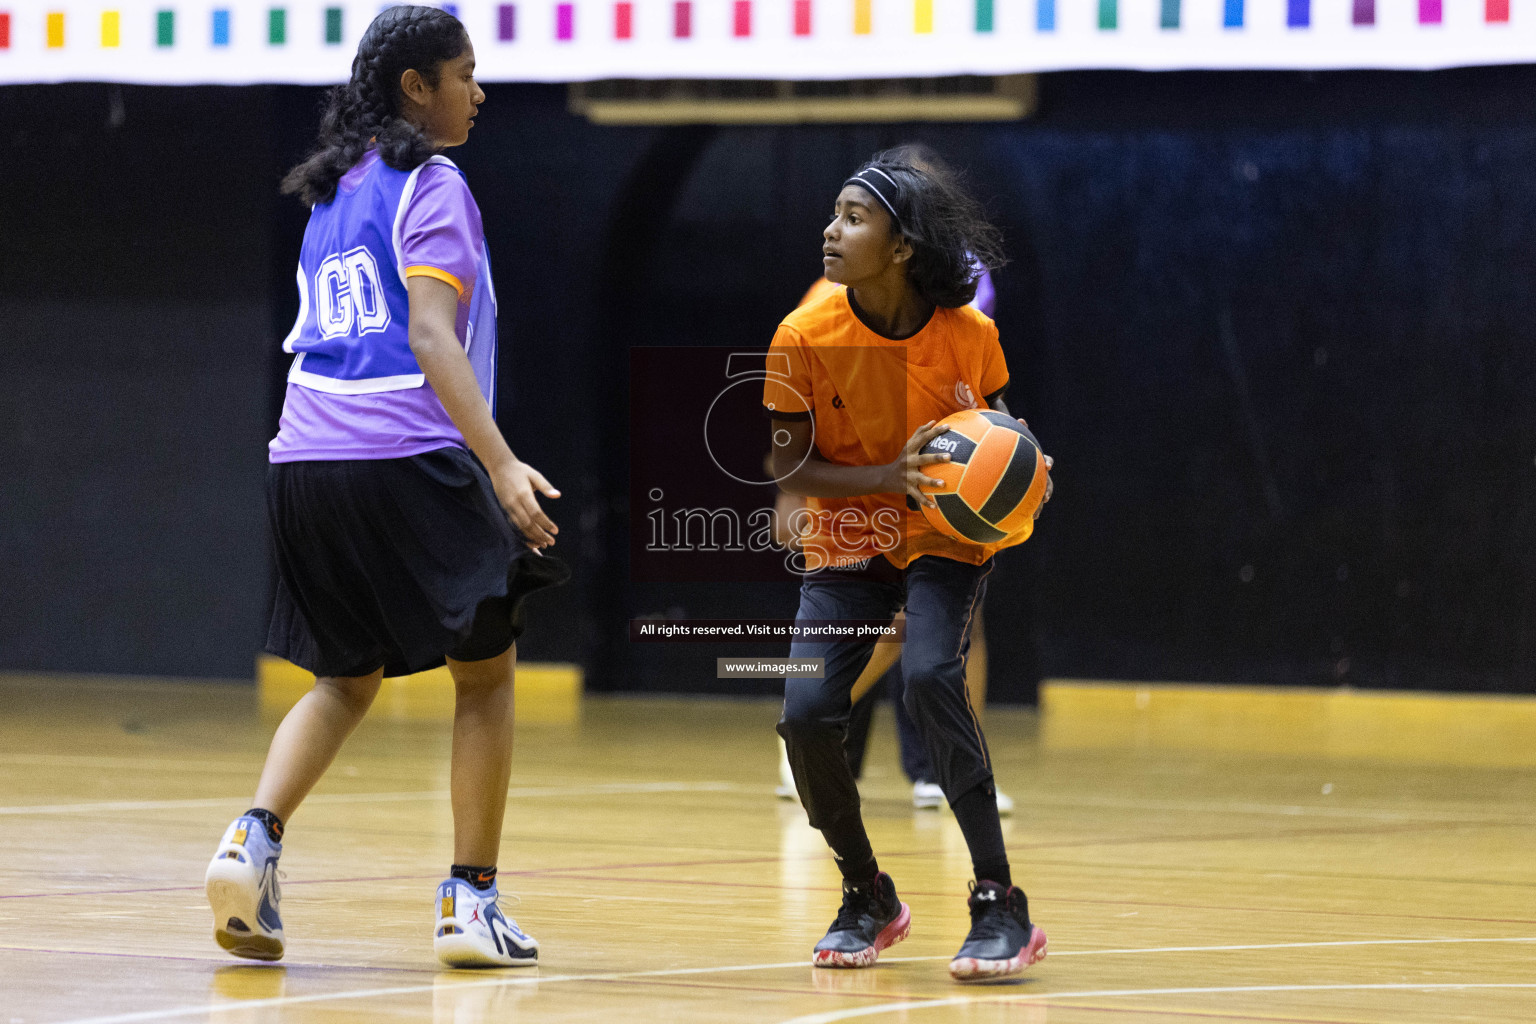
[860,717]
[482,754]
[884,673]
[926,793]
[914,754]
[881,660]
[308,739]
[864,698]
[976,664]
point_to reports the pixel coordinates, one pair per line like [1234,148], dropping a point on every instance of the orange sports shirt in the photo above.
[868,395]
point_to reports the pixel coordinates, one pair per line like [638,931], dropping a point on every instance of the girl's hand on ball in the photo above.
[1050,484]
[906,473]
[515,484]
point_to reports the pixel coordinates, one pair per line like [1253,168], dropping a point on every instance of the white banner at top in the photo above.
[312,41]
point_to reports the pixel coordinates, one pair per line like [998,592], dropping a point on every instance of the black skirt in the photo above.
[396,563]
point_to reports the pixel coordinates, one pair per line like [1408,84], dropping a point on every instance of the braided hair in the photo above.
[366,111]
[952,241]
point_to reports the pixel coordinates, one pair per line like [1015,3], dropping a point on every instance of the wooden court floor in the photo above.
[667,883]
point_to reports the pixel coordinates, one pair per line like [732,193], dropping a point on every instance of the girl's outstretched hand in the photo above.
[906,473]
[515,483]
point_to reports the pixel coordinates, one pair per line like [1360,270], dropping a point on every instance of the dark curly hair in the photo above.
[366,111]
[952,241]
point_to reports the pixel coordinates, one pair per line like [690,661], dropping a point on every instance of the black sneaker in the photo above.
[1002,941]
[870,919]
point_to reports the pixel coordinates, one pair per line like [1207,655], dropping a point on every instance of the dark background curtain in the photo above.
[1277,330]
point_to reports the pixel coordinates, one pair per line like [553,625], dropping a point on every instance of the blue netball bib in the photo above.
[351,336]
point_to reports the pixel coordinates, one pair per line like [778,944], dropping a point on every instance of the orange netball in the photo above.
[994,481]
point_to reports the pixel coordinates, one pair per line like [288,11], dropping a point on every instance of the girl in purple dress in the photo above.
[406,532]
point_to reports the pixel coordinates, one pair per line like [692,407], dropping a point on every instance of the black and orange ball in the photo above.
[994,480]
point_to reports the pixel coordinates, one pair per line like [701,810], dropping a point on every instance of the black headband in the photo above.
[882,186]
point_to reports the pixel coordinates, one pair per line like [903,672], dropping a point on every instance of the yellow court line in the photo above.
[1473,730]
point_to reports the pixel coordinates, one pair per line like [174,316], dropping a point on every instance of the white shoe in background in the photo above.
[927,796]
[786,787]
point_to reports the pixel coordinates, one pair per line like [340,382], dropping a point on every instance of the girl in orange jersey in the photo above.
[926,794]
[873,367]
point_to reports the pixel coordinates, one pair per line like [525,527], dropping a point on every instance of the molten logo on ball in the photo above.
[994,481]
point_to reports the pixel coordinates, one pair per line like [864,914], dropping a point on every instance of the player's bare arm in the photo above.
[434,305]
[815,477]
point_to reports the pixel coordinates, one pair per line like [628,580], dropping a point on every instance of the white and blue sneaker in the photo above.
[473,932]
[242,890]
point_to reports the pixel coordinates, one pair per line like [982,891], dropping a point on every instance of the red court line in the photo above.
[775,859]
[527,872]
[289,967]
[659,864]
[136,956]
[1330,876]
[767,859]
[721,862]
[1284,910]
[1060,844]
[1208,1015]
[292,968]
[199,888]
[1144,1012]
[1221,837]
[1057,899]
[784,991]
